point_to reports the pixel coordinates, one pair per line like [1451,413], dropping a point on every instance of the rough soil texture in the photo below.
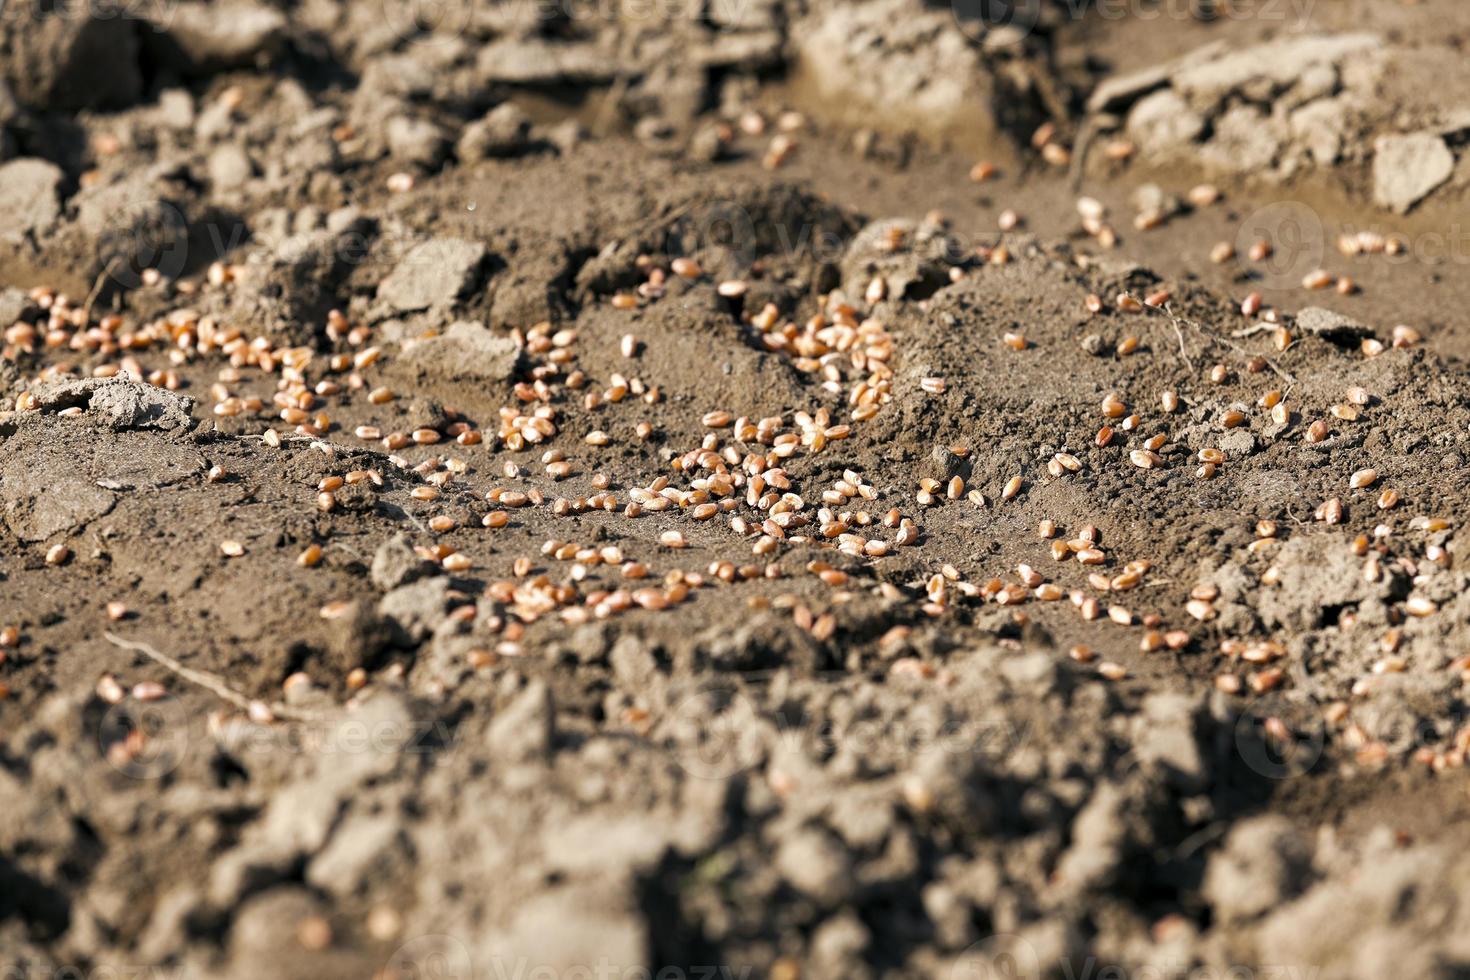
[534,492]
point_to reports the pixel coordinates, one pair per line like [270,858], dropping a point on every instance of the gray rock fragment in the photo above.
[526,728]
[1265,863]
[396,564]
[223,34]
[467,350]
[121,404]
[1407,168]
[501,133]
[30,198]
[437,273]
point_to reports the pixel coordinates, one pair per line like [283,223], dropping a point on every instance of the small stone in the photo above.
[30,197]
[526,728]
[500,133]
[1407,168]
[437,273]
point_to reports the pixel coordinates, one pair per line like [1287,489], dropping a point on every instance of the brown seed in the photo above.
[1419,606]
[1330,512]
[1111,671]
[1012,487]
[231,548]
[1145,459]
[117,611]
[1113,407]
[1363,478]
[310,557]
[1317,279]
[58,554]
[1169,401]
[1200,609]
[1232,419]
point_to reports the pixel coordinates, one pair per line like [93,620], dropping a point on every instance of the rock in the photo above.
[560,932]
[417,608]
[531,61]
[1162,123]
[816,865]
[501,133]
[467,350]
[122,404]
[839,948]
[1237,443]
[1264,864]
[1168,739]
[1245,140]
[1321,127]
[1331,325]
[209,37]
[1262,71]
[896,64]
[634,666]
[228,168]
[16,305]
[415,140]
[526,728]
[175,110]
[396,564]
[1099,840]
[69,56]
[437,273]
[30,198]
[356,846]
[1119,91]
[614,846]
[1407,168]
